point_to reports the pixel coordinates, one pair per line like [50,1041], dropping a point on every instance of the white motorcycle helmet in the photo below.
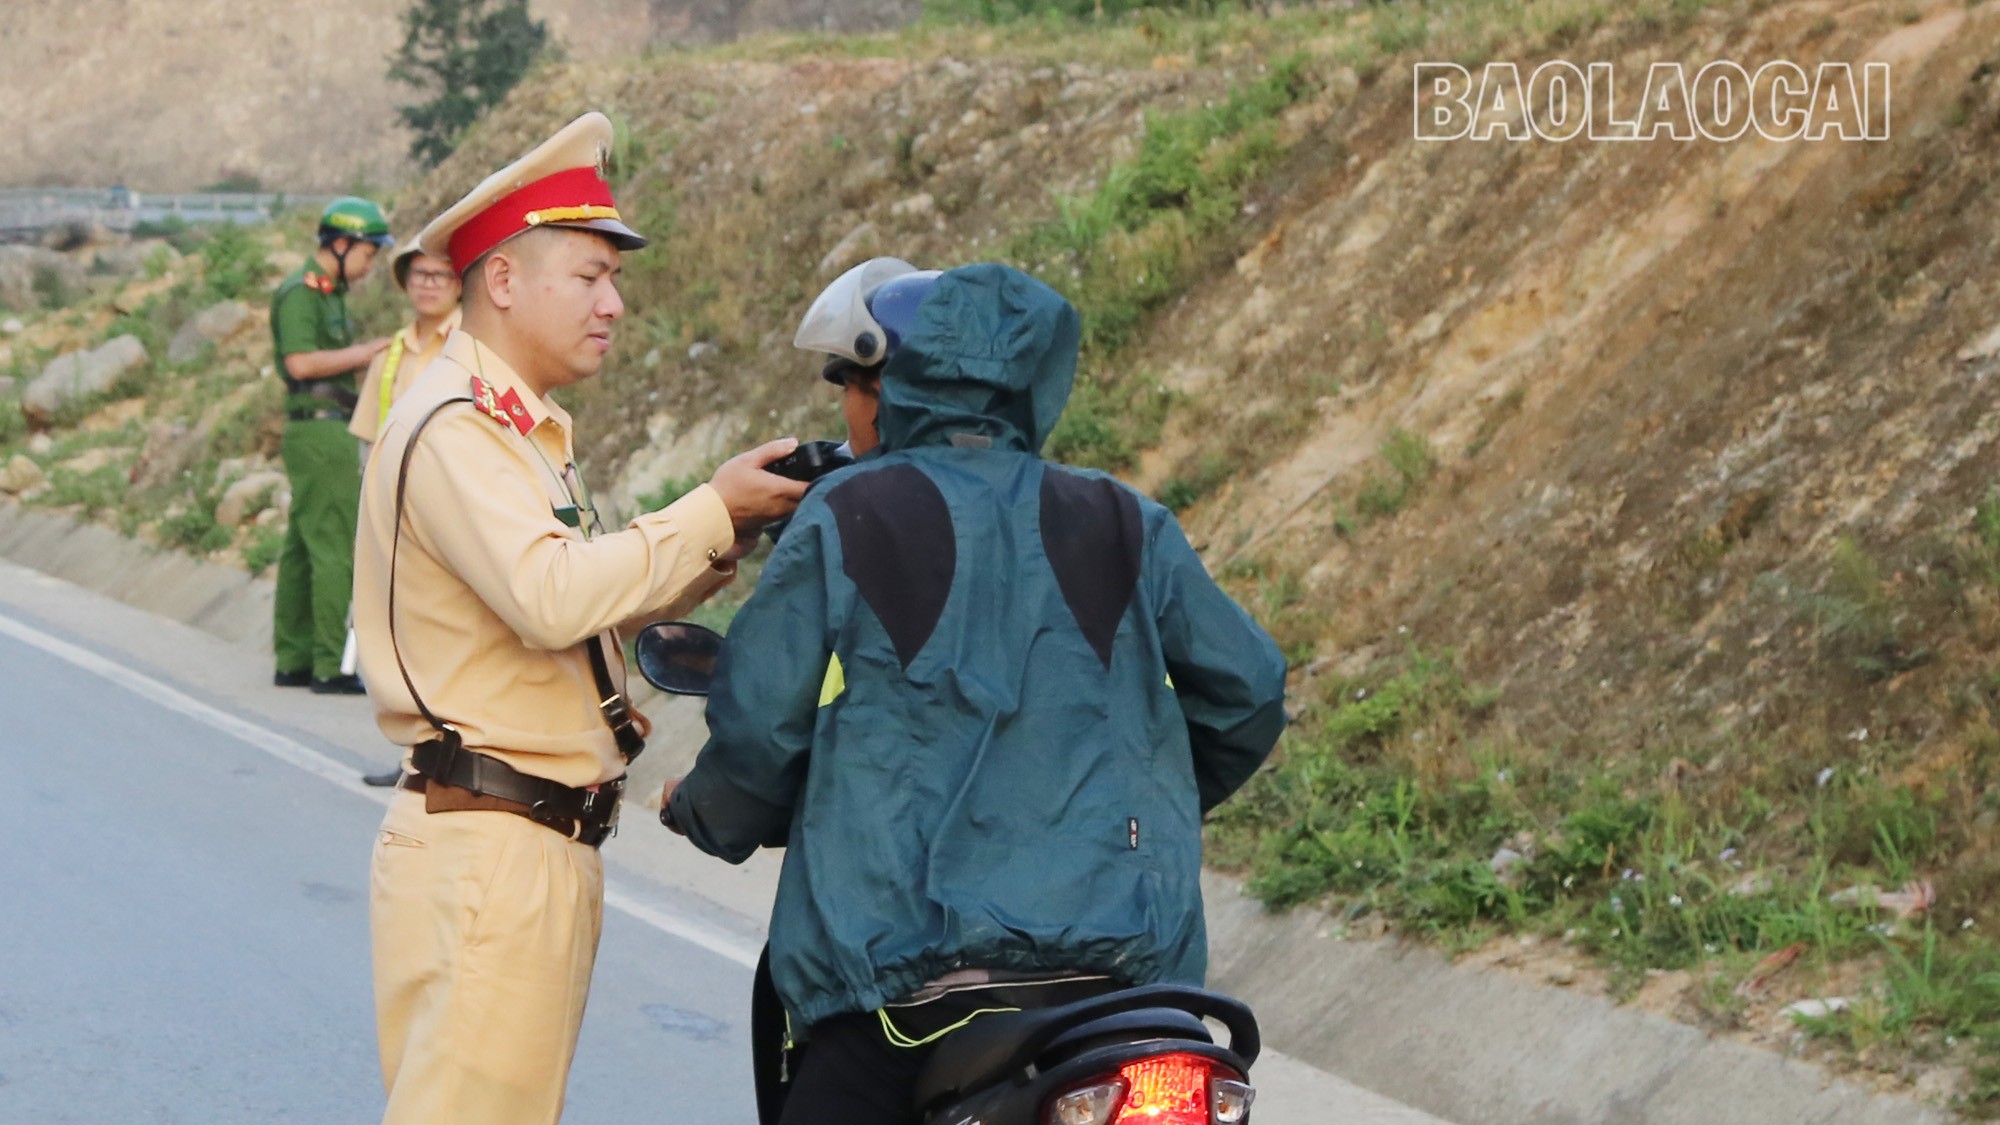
[842,324]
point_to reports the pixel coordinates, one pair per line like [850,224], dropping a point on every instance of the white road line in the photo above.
[618,894]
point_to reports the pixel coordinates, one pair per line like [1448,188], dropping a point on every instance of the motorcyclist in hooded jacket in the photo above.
[983,701]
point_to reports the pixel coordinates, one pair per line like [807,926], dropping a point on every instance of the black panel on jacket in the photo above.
[1093,534]
[897,547]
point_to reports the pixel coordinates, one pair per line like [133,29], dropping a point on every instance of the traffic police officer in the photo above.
[318,358]
[432,289]
[487,600]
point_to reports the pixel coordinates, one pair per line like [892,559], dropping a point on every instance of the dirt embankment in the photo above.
[1649,372]
[177,96]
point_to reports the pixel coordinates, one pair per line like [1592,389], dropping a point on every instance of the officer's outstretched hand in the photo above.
[753,496]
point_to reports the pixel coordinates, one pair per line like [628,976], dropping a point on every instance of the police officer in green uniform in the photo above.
[321,363]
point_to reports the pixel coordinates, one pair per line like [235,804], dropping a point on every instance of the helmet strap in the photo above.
[340,257]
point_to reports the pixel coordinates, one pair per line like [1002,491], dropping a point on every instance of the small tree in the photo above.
[466,54]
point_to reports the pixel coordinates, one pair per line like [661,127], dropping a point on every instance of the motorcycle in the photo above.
[1135,1056]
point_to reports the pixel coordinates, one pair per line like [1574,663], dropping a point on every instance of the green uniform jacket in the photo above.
[309,314]
[983,699]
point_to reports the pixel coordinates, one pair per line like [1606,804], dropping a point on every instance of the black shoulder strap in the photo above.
[611,703]
[446,732]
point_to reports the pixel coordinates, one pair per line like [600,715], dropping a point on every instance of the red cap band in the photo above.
[568,196]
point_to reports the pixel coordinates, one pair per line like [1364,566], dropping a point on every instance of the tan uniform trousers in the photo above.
[485,930]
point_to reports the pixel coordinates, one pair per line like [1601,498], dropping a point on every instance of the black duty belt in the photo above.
[485,782]
[328,414]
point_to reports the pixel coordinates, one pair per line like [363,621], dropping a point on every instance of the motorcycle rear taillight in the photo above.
[1176,1089]
[1166,1090]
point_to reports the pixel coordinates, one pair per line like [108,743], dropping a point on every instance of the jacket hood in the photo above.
[988,364]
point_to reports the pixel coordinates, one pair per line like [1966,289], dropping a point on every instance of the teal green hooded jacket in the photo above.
[981,699]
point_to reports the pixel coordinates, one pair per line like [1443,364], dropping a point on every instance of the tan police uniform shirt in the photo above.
[495,594]
[418,352]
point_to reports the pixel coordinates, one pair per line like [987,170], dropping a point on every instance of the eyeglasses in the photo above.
[432,278]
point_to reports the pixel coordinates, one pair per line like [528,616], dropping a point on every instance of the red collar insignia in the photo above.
[505,409]
[318,282]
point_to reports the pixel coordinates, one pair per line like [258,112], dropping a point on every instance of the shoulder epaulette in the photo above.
[505,409]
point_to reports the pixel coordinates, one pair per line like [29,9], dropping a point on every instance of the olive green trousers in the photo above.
[316,567]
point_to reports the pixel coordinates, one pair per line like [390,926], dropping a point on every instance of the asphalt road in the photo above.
[185,936]
[183,904]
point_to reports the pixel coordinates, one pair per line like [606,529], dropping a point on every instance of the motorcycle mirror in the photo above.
[678,656]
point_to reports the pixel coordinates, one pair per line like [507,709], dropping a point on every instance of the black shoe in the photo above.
[385,779]
[291,679]
[338,685]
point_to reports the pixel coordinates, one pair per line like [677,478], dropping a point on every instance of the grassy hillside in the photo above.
[1626,511]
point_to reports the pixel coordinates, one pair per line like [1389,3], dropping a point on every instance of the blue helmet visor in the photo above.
[894,305]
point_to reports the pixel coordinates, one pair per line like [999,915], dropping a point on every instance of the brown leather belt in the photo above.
[441,798]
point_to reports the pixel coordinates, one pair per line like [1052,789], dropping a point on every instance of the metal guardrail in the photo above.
[25,213]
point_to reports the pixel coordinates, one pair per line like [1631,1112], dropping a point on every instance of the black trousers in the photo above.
[849,1074]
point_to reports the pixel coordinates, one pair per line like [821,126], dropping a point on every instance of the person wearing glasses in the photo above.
[432,289]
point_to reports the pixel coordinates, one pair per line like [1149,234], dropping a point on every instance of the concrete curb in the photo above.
[221,600]
[1475,1047]
[1487,1048]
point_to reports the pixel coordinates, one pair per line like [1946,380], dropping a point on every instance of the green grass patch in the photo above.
[1183,489]
[97,491]
[265,545]
[1933,993]
[1410,464]
[190,524]
[1106,426]
[1123,250]
[1127,248]
[1395,795]
[13,423]
[237,265]
[1979,551]
[1857,621]
[193,528]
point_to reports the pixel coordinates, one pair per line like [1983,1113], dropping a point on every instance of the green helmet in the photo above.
[354,217]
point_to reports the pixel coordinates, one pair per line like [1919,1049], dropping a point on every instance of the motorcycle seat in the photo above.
[971,1056]
[975,1056]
